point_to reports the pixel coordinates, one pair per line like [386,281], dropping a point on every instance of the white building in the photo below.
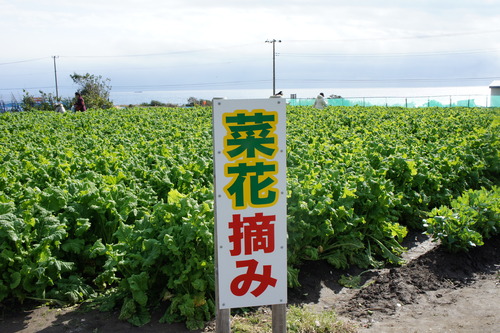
[495,93]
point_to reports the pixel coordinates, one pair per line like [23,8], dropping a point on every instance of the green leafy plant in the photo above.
[472,217]
[117,207]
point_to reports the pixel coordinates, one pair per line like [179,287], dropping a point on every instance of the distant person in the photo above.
[80,103]
[60,108]
[320,102]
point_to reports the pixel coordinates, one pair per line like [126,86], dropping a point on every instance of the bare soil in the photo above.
[434,292]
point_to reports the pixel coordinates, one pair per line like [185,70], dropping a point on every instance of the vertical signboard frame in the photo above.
[250,206]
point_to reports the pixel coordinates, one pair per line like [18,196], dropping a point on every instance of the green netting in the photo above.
[495,101]
[467,103]
[409,102]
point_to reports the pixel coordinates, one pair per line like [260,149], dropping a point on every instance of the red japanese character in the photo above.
[241,284]
[256,231]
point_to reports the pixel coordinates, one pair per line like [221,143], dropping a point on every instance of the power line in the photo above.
[233,83]
[397,79]
[140,55]
[392,54]
[21,61]
[27,88]
[191,85]
[173,85]
[419,36]
[160,54]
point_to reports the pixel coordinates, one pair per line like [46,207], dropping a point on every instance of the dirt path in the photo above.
[435,292]
[473,308]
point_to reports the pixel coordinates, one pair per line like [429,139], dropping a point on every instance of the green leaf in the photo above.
[128,309]
[199,284]
[138,286]
[7,227]
[82,226]
[6,207]
[174,197]
[73,245]
[98,249]
[141,317]
[386,253]
[15,280]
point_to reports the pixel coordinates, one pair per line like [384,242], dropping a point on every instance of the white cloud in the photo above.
[217,41]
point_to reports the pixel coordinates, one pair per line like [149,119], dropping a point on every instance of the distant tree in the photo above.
[159,104]
[193,101]
[28,102]
[156,103]
[94,89]
[45,102]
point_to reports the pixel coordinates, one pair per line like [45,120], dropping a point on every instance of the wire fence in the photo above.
[408,102]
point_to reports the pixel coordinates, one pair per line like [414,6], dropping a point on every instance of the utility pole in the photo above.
[274,41]
[55,74]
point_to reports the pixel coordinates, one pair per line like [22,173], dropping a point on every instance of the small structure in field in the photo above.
[495,93]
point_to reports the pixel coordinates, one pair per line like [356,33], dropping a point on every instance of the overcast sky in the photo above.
[221,44]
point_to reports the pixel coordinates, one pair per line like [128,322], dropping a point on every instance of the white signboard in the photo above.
[250,201]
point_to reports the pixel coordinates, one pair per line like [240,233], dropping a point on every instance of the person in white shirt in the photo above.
[60,108]
[320,102]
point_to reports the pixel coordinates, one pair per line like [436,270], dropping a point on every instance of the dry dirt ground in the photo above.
[434,292]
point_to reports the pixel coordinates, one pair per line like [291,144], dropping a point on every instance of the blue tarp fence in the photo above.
[10,107]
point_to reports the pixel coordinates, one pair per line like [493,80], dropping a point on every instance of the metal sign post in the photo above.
[250,207]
